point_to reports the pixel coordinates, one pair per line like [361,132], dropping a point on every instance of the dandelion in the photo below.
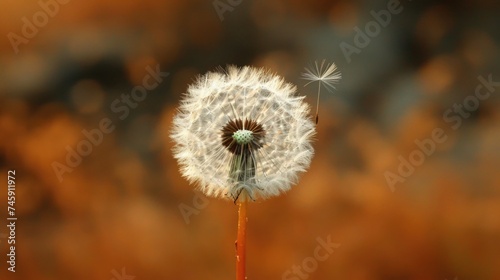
[326,75]
[244,129]
[242,134]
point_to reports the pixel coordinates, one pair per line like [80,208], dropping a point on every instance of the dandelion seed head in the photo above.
[242,129]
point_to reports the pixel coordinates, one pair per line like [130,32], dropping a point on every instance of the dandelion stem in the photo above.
[241,239]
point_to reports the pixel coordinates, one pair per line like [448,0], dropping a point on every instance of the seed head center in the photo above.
[243,136]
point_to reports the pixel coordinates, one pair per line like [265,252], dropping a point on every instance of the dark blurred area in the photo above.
[88,90]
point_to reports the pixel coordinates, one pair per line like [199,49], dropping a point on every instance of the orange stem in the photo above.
[241,240]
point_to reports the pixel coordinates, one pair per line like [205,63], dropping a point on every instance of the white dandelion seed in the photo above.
[244,129]
[324,74]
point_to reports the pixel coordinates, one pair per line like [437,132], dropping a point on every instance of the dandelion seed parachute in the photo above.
[242,129]
[324,74]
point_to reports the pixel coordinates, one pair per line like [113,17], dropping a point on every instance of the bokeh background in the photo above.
[118,211]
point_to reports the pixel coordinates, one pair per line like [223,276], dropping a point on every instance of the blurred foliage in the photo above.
[119,207]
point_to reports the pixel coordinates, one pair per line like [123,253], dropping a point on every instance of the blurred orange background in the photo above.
[118,212]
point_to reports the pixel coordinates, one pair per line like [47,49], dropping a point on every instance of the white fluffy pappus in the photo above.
[325,74]
[243,129]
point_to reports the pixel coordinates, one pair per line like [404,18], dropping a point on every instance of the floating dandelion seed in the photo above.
[242,134]
[325,74]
